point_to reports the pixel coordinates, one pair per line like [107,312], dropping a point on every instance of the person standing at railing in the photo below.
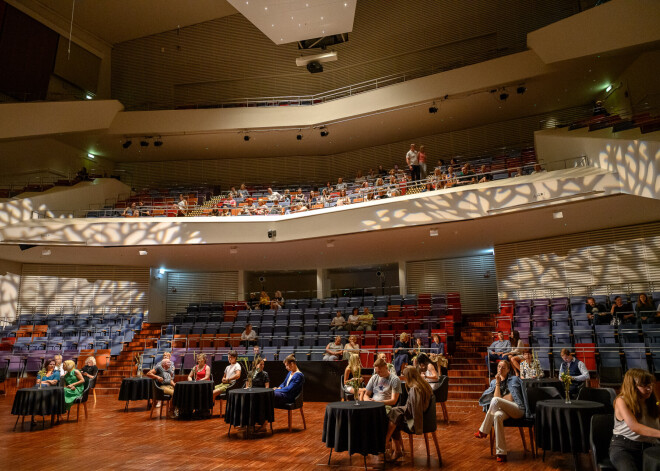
[412,159]
[421,156]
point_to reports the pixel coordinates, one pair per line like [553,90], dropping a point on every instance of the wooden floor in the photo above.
[112,439]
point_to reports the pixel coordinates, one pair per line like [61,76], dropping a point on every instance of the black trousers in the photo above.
[415,173]
[626,454]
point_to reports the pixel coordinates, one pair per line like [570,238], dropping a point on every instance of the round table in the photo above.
[564,427]
[137,388]
[192,395]
[355,428]
[652,459]
[545,383]
[247,407]
[38,401]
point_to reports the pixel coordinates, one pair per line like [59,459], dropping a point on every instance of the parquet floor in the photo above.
[111,439]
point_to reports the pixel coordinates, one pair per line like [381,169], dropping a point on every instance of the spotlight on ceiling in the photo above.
[144,143]
[324,132]
[520,90]
[158,143]
[246,138]
[433,109]
[127,144]
[299,137]
[504,96]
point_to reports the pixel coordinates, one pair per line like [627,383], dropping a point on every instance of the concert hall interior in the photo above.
[425,216]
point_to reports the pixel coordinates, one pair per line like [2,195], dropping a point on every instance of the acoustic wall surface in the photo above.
[184,288]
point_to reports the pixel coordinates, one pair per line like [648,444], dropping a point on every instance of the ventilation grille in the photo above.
[619,260]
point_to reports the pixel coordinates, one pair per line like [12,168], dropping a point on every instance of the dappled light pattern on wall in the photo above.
[638,163]
[65,289]
[618,260]
[9,287]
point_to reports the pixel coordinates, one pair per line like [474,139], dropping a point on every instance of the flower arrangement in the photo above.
[567,379]
[251,370]
[41,373]
[137,359]
[536,365]
[356,380]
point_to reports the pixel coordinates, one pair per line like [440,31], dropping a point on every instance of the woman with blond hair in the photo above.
[409,417]
[351,347]
[402,352]
[636,425]
[74,383]
[90,369]
[352,371]
[201,371]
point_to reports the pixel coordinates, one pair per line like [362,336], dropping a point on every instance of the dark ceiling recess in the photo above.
[323,42]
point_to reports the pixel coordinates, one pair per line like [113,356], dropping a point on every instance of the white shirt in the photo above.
[183,204]
[412,157]
[232,369]
[274,196]
[251,336]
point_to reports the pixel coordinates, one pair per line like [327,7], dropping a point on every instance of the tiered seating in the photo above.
[302,326]
[549,325]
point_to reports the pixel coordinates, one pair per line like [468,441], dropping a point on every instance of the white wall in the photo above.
[10,280]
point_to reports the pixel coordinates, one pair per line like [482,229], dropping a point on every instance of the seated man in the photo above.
[597,313]
[249,336]
[338,322]
[287,392]
[383,386]
[497,350]
[622,311]
[576,369]
[162,373]
[334,351]
[366,320]
[232,374]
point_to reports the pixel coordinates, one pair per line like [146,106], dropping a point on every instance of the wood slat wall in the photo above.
[57,289]
[623,259]
[472,277]
[184,288]
[229,58]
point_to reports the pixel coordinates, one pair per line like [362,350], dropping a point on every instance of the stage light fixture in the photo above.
[158,143]
[90,156]
[144,143]
[520,90]
[299,137]
[246,138]
[127,144]
[324,132]
[504,96]
[433,109]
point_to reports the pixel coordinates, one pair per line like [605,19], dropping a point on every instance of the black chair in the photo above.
[237,384]
[344,395]
[430,426]
[4,374]
[157,394]
[441,395]
[82,399]
[605,396]
[599,438]
[296,404]
[92,385]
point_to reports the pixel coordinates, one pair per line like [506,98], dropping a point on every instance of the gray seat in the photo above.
[599,439]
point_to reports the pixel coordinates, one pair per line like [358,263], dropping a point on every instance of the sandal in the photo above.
[480,434]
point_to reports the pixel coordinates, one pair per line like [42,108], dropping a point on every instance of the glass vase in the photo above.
[567,399]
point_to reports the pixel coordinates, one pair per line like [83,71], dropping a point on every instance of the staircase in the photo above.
[468,376]
[123,365]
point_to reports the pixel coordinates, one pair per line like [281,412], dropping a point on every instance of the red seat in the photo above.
[586,353]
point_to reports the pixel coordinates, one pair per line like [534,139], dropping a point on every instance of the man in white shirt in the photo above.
[232,374]
[576,369]
[383,386]
[274,195]
[341,185]
[412,159]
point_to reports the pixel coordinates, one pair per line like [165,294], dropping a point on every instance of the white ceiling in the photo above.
[285,21]
[115,21]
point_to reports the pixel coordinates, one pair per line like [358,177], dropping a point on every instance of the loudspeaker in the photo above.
[314,67]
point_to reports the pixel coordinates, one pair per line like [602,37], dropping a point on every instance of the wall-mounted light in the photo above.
[609,88]
[324,132]
[246,138]
[89,96]
[158,143]
[144,143]
[557,215]
[330,244]
[90,156]
[433,233]
[520,90]
[45,252]
[127,144]
[143,252]
[299,137]
[233,250]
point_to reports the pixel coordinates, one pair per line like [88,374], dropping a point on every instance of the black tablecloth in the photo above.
[544,383]
[564,427]
[356,429]
[247,407]
[135,389]
[35,401]
[193,395]
[652,459]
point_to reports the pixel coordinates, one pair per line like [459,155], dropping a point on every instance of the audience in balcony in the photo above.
[412,160]
[409,417]
[354,364]
[646,311]
[181,206]
[90,369]
[429,370]
[484,176]
[277,301]
[597,313]
[403,352]
[353,320]
[131,211]
[249,336]
[341,185]
[366,320]
[359,178]
[334,350]
[243,192]
[338,322]
[383,386]
[576,369]
[538,169]
[527,370]
[421,156]
[418,347]
[502,400]
[264,301]
[497,350]
[343,199]
[352,347]
[274,195]
[231,375]
[292,385]
[215,212]
[201,371]
[51,376]
[515,354]
[636,420]
[622,312]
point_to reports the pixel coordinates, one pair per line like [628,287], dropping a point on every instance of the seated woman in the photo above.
[419,346]
[352,347]
[353,320]
[410,416]
[402,352]
[354,367]
[636,425]
[292,385]
[74,383]
[503,399]
[437,354]
[89,371]
[201,371]
[232,374]
[428,370]
[52,376]
[338,322]
[277,301]
[260,378]
[437,346]
[249,337]
[527,370]
[515,354]
[264,301]
[645,310]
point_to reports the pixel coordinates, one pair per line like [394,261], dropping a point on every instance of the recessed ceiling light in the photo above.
[433,233]
[265,8]
[91,156]
[143,252]
[557,215]
[321,17]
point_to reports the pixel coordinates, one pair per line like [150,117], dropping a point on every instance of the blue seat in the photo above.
[635,355]
[556,355]
[605,334]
